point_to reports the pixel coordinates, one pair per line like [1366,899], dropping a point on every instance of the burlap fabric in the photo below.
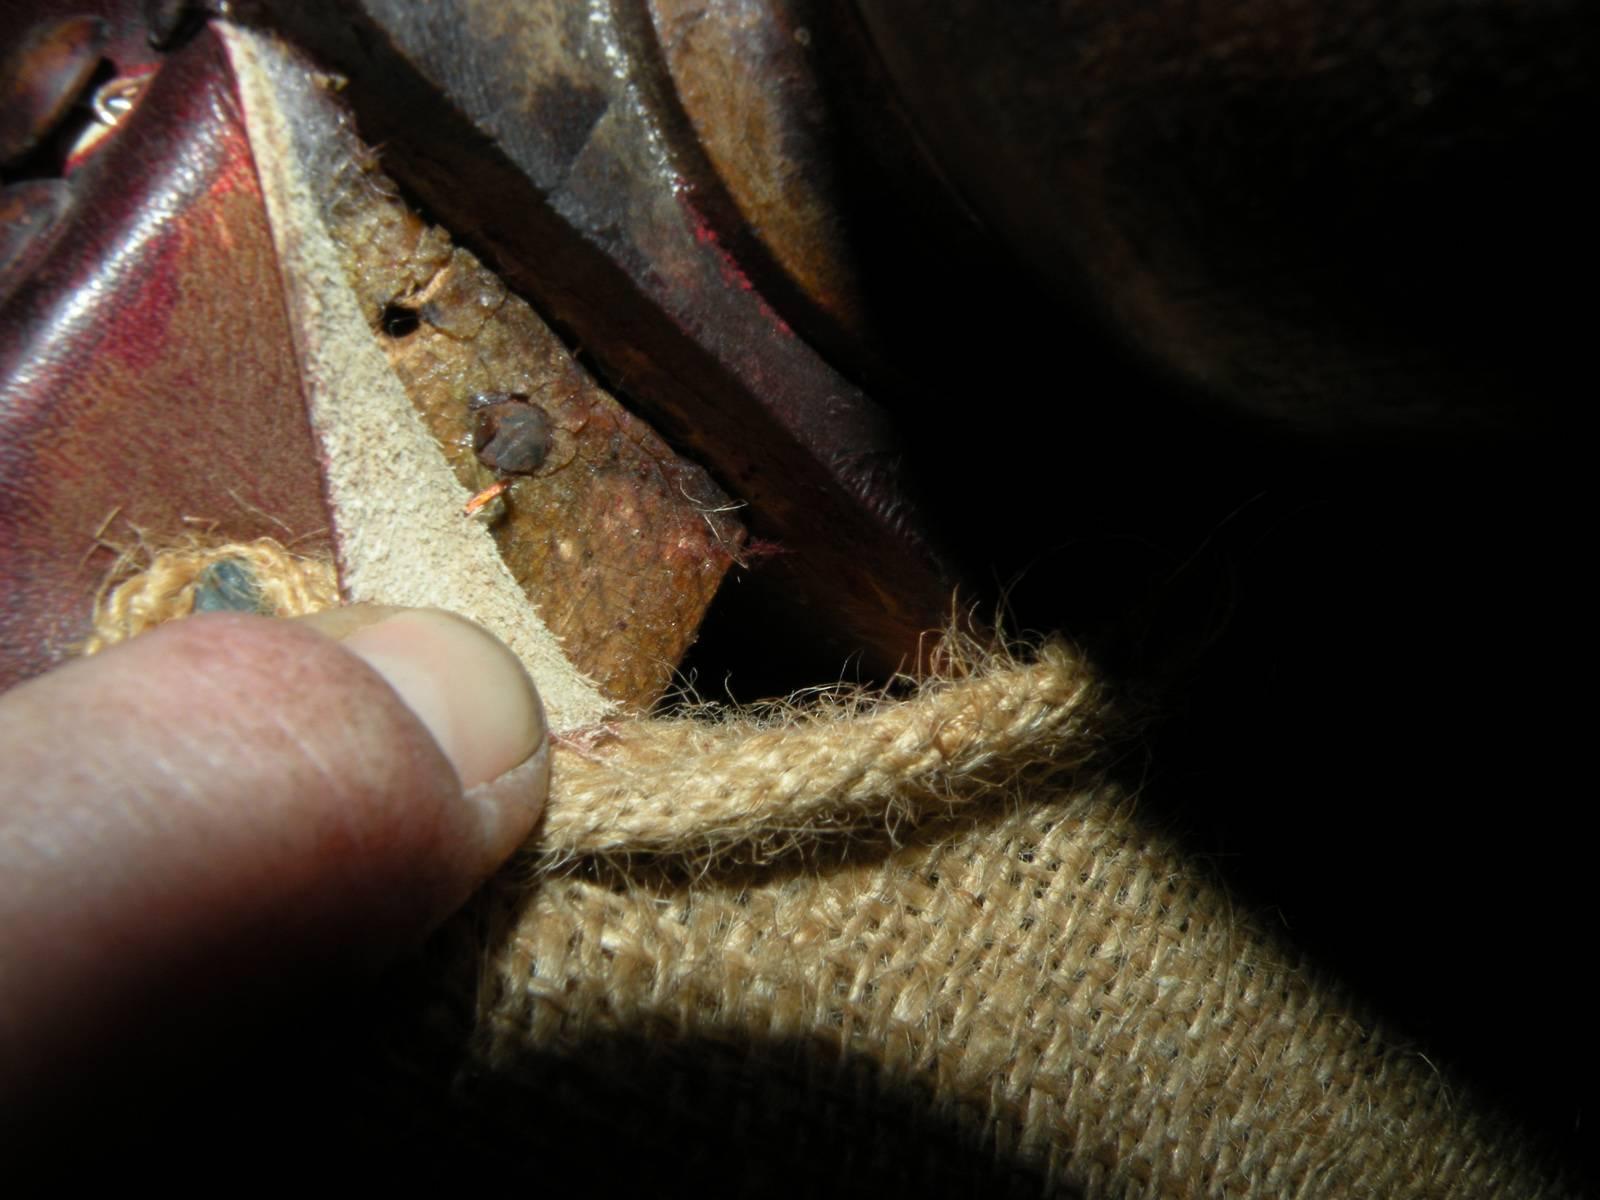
[920,946]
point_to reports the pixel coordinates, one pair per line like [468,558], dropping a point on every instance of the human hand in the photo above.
[196,820]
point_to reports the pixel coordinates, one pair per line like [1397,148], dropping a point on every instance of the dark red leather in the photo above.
[148,380]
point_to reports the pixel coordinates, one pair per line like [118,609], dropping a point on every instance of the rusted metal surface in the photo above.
[744,73]
[619,543]
[806,166]
[148,382]
[544,130]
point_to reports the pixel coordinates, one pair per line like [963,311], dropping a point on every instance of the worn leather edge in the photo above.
[399,531]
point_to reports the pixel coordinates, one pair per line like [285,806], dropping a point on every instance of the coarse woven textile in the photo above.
[1067,1005]
[918,946]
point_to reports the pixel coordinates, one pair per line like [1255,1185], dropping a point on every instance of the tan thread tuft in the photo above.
[135,598]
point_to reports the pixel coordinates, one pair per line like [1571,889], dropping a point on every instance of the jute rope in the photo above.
[841,763]
[759,935]
[146,588]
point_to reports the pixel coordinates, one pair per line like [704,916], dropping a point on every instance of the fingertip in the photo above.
[463,684]
[230,800]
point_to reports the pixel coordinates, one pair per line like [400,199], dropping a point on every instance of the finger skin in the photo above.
[200,816]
